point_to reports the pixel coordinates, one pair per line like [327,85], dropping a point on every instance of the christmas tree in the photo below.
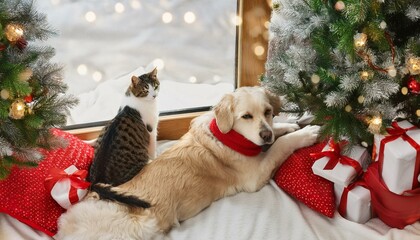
[353,64]
[32,93]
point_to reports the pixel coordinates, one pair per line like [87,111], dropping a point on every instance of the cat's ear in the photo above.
[153,73]
[135,80]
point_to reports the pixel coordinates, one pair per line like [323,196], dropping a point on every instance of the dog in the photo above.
[219,156]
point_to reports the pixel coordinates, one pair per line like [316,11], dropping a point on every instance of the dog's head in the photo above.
[249,111]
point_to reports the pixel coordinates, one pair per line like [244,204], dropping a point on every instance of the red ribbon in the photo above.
[394,133]
[76,181]
[335,157]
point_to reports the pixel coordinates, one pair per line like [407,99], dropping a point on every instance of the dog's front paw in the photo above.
[283,128]
[308,135]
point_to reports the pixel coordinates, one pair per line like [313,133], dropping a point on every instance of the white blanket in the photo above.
[269,214]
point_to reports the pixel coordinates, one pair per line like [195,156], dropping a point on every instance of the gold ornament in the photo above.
[5,94]
[13,32]
[360,40]
[25,75]
[418,112]
[413,65]
[17,109]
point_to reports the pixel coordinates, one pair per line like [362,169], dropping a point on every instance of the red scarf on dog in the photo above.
[235,141]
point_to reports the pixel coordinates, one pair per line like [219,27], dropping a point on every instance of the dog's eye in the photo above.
[247,116]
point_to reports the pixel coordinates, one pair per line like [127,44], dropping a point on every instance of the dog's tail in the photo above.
[107,192]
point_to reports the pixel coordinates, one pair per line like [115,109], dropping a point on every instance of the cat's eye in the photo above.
[247,116]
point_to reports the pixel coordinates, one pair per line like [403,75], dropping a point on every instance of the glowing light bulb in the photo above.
[90,16]
[135,4]
[377,120]
[4,94]
[404,90]
[360,40]
[348,108]
[414,65]
[375,125]
[217,78]
[259,50]
[192,79]
[189,17]
[97,76]
[82,69]
[158,63]
[315,78]
[55,2]
[119,7]
[364,75]
[236,20]
[361,99]
[167,17]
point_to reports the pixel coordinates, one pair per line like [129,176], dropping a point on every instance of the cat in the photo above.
[128,142]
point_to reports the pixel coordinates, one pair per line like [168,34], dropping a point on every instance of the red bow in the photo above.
[394,133]
[335,157]
[76,181]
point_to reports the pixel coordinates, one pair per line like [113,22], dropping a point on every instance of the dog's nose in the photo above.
[266,135]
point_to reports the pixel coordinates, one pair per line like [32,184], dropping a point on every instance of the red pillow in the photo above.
[295,177]
[23,194]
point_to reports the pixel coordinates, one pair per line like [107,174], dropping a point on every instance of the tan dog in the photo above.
[198,170]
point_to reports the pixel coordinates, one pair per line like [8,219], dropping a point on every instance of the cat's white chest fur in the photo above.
[147,108]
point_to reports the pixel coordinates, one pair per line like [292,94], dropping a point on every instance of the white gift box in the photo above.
[61,190]
[398,167]
[358,207]
[341,174]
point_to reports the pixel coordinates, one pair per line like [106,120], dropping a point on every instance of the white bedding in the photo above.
[269,214]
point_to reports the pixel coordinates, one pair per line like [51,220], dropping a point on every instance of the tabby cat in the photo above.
[128,142]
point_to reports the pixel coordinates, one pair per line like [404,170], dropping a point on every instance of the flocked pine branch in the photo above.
[32,92]
[350,63]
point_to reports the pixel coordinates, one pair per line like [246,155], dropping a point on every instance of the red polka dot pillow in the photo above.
[23,194]
[296,178]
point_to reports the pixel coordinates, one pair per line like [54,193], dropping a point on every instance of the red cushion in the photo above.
[23,195]
[295,177]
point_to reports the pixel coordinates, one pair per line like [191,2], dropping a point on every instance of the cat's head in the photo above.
[144,86]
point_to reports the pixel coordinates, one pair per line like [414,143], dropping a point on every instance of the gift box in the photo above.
[398,155]
[67,187]
[338,168]
[353,202]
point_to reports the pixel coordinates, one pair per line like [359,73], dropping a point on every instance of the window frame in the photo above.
[248,70]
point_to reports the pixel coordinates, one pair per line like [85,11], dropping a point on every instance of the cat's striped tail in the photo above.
[107,192]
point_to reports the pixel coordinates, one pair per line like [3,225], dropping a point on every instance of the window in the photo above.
[174,122]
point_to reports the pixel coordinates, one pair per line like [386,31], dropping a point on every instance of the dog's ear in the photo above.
[224,113]
[274,101]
